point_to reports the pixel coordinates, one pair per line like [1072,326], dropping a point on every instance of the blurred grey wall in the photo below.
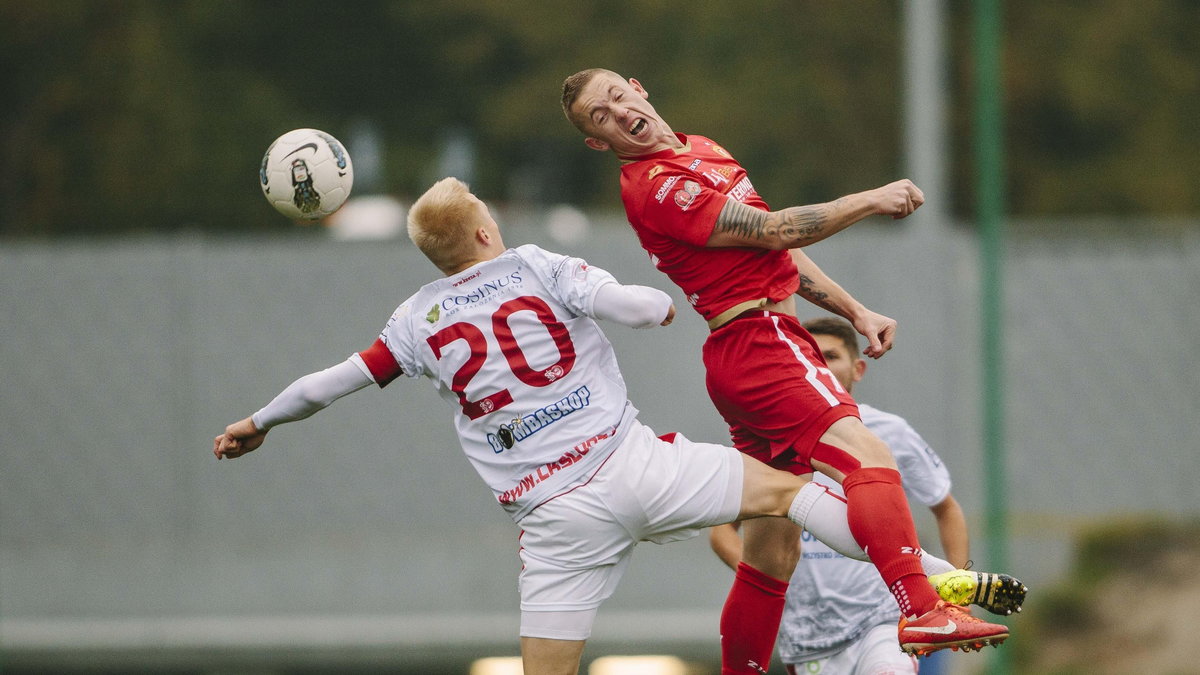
[365,529]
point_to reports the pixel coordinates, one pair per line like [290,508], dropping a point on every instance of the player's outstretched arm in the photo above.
[797,226]
[239,438]
[952,530]
[820,290]
[633,306]
[726,543]
[299,400]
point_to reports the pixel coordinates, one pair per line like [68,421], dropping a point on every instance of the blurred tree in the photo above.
[120,124]
[1102,107]
[139,115]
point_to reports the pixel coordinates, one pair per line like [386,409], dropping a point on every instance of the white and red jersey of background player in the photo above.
[539,402]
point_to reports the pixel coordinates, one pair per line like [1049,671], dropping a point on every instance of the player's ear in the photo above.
[637,86]
[595,144]
[858,370]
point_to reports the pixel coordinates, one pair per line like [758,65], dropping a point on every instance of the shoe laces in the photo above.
[963,613]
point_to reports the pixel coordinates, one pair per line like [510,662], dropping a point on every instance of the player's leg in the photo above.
[573,554]
[798,410]
[754,606]
[997,593]
[812,506]
[680,487]
[771,545]
[879,516]
[543,656]
[770,549]
[740,374]
[771,492]
[877,509]
[766,377]
[683,486]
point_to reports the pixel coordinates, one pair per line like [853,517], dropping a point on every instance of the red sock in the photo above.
[750,621]
[881,523]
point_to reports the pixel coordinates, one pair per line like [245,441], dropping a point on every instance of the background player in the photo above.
[541,412]
[839,619]
[696,212]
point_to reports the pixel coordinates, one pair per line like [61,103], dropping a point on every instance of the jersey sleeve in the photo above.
[926,478]
[312,393]
[393,353]
[680,207]
[633,306]
[572,281]
[378,362]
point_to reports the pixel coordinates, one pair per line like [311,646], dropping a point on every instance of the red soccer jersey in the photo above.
[672,199]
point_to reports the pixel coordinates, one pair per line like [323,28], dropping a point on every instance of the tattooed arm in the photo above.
[825,293]
[796,226]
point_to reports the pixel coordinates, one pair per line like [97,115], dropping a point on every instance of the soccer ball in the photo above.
[306,174]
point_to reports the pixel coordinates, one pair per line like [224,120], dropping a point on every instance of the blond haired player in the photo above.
[509,338]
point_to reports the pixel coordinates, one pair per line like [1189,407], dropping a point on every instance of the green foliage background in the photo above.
[146,115]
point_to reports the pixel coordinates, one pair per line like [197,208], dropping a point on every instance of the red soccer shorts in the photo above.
[769,381]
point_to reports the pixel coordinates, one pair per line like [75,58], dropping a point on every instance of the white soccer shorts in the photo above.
[575,547]
[876,652]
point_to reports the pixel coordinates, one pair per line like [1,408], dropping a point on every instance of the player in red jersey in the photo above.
[509,337]
[740,264]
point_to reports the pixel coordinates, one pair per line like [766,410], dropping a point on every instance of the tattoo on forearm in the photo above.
[810,292]
[795,226]
[803,223]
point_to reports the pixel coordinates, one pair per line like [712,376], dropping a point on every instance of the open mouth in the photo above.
[637,127]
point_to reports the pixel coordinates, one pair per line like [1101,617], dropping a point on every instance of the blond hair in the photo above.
[570,91]
[440,222]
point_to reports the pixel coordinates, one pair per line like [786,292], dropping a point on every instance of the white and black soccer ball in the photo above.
[306,174]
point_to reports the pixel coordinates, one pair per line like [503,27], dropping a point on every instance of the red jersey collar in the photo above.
[662,154]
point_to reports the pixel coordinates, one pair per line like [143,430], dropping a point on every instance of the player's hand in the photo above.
[898,199]
[670,316]
[879,330]
[239,438]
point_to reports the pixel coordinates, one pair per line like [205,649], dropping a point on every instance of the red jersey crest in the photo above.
[700,179]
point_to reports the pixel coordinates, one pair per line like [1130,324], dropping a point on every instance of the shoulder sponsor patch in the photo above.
[685,195]
[665,189]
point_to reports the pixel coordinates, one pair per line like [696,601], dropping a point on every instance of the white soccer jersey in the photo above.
[538,400]
[833,600]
